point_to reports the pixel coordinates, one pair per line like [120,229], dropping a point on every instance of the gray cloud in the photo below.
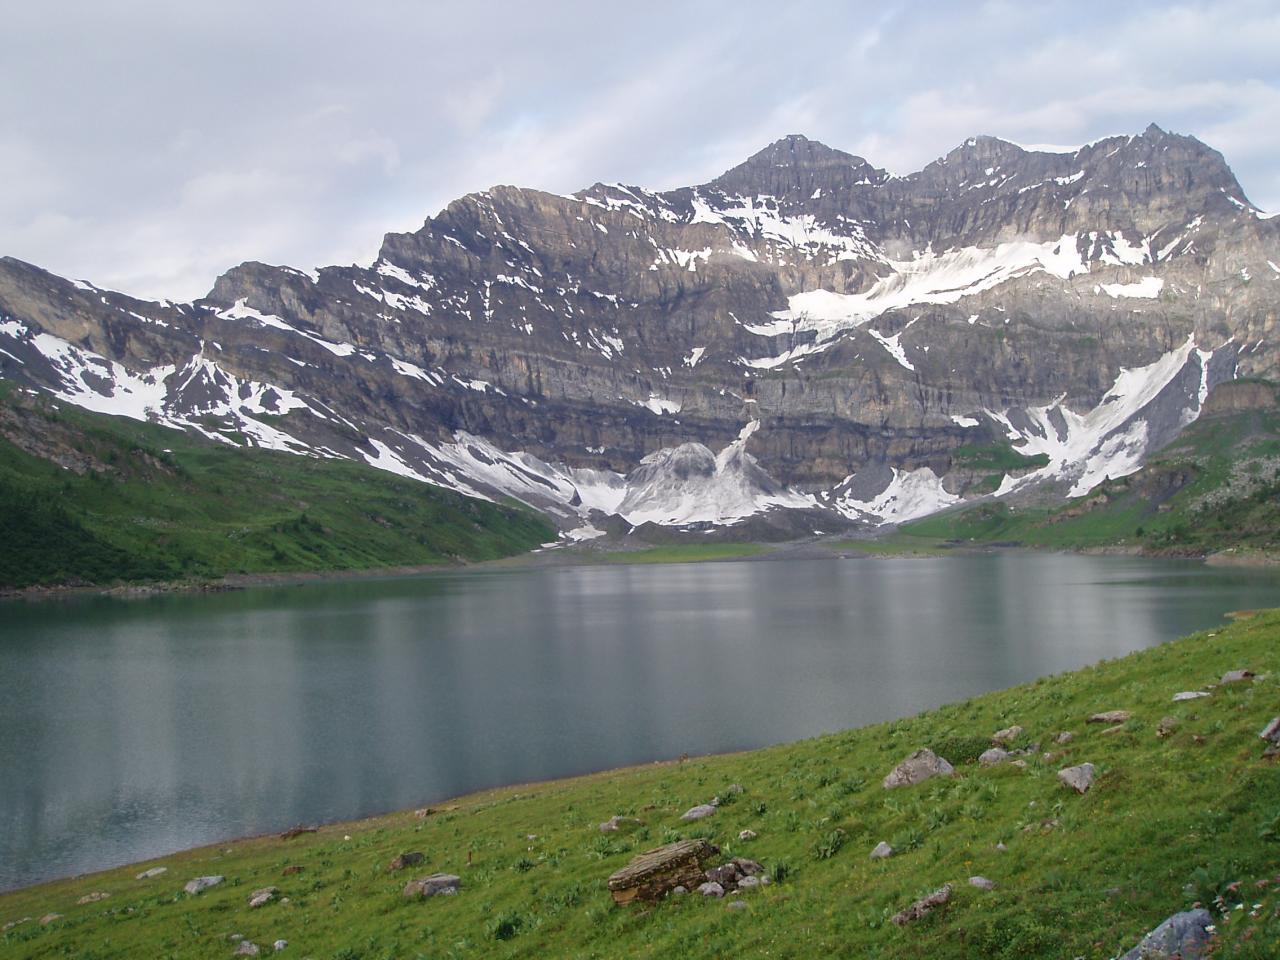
[148,146]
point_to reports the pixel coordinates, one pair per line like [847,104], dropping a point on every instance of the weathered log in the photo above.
[654,873]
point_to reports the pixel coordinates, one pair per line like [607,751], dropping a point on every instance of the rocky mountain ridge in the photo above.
[804,339]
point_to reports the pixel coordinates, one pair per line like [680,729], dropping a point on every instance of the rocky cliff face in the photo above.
[804,335]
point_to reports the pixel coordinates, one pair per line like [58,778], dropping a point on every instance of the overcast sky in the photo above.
[148,146]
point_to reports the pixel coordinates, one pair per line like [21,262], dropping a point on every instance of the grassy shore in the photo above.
[1193,816]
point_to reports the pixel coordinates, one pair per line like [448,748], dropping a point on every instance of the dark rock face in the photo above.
[804,333]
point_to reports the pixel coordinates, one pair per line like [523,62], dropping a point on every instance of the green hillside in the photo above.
[87,498]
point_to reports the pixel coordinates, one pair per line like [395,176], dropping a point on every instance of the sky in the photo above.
[149,146]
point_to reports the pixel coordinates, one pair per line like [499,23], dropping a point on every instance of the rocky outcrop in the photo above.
[1184,936]
[657,872]
[922,765]
[803,335]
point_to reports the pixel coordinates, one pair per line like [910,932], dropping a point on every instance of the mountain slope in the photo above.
[859,328]
[86,498]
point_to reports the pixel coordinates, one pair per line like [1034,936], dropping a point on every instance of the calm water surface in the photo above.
[131,728]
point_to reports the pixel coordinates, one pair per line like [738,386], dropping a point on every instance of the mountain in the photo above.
[805,342]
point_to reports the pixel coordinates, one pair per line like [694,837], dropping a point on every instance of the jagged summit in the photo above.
[794,167]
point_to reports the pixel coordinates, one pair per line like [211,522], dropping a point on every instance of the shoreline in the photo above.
[590,554]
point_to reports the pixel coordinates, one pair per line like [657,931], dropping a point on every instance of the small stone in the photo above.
[446,884]
[747,835]
[291,870]
[711,889]
[1020,764]
[48,918]
[1166,726]
[1007,735]
[1079,779]
[616,823]
[923,906]
[992,757]
[748,883]
[766,880]
[679,890]
[1272,730]
[247,948]
[13,923]
[347,837]
[404,860]
[920,766]
[1111,716]
[698,812]
[235,937]
[423,812]
[1237,676]
[1110,731]
[262,897]
[726,875]
[1066,736]
[736,905]
[200,884]
[1001,847]
[748,867]
[982,883]
[279,945]
[1189,695]
[882,851]
[153,872]
[92,898]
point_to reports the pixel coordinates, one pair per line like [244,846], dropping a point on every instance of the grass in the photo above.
[997,457]
[688,553]
[148,503]
[1191,817]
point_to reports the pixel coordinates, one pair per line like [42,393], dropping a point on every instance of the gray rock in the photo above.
[920,766]
[882,851]
[13,923]
[1007,735]
[1111,717]
[734,788]
[1001,847]
[247,948]
[1189,695]
[279,945]
[200,884]
[982,883]
[49,918]
[443,884]
[405,860]
[736,905]
[153,872]
[94,897]
[1079,779]
[726,875]
[616,823]
[992,757]
[923,906]
[748,883]
[261,897]
[1166,727]
[1272,730]
[679,890]
[1237,676]
[711,889]
[748,867]
[1066,736]
[698,812]
[1184,936]
[747,835]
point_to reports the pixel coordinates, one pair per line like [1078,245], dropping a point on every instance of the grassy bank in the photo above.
[87,498]
[1193,816]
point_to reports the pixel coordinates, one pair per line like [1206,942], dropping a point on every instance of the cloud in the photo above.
[148,146]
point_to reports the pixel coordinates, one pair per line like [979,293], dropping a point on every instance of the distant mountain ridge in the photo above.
[804,341]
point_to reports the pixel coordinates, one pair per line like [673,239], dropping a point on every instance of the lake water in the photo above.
[132,728]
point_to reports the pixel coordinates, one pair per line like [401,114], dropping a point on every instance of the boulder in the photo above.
[1079,779]
[650,875]
[920,766]
[1189,695]
[1184,936]
[698,812]
[443,884]
[726,875]
[153,872]
[404,860]
[200,884]
[982,883]
[992,757]
[711,889]
[1111,717]
[1237,676]
[616,823]
[882,851]
[747,867]
[1007,735]
[261,897]
[923,906]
